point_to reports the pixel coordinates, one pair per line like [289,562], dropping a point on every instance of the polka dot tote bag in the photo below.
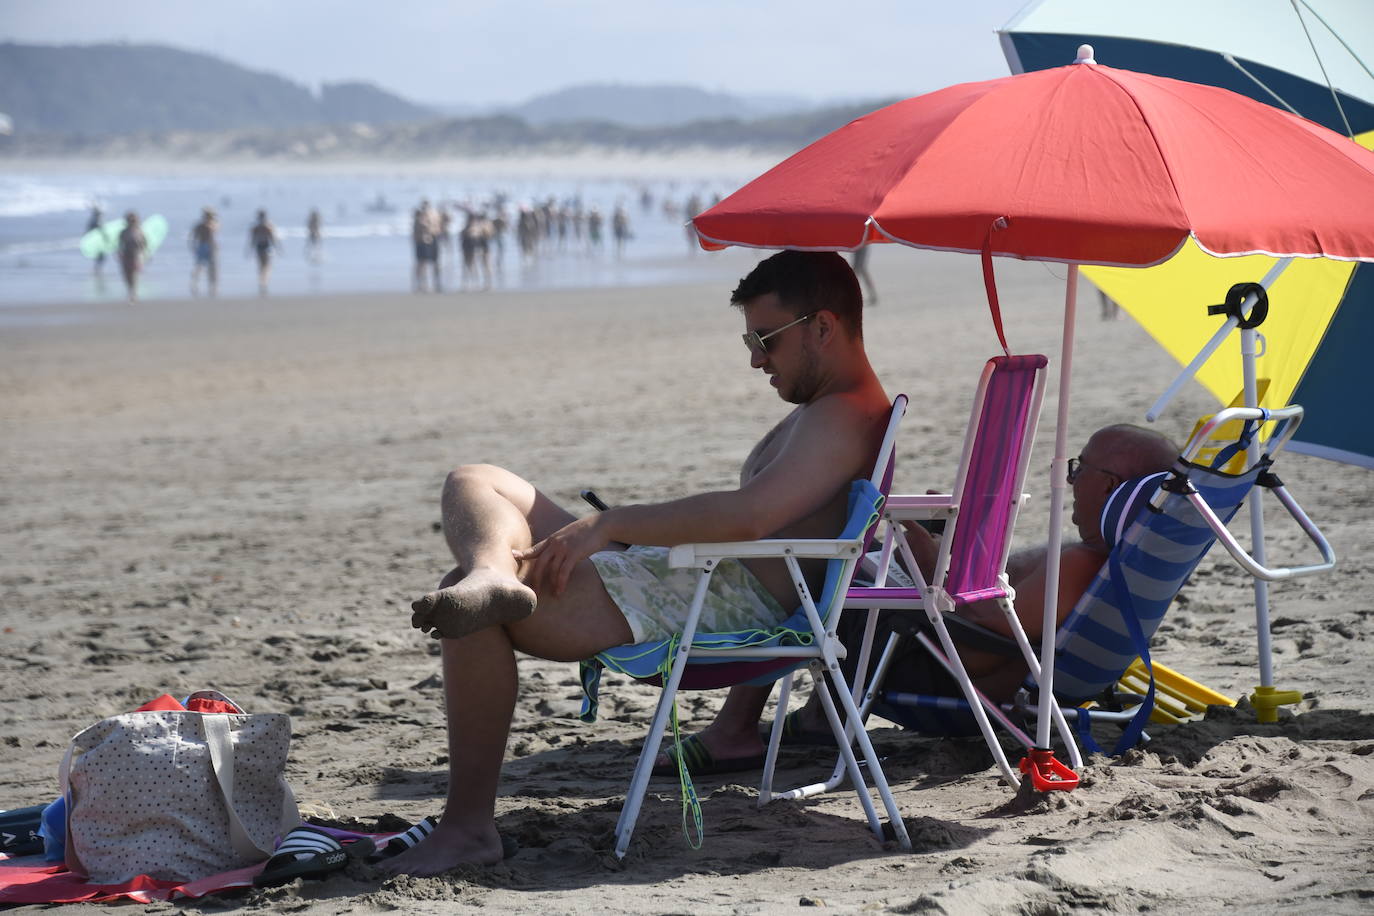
[177,793]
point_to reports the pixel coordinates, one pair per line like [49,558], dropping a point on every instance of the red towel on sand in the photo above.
[31,880]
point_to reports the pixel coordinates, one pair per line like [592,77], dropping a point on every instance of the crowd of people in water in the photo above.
[460,244]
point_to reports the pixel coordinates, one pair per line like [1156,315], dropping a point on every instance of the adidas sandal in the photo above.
[408,838]
[308,852]
[19,831]
[418,831]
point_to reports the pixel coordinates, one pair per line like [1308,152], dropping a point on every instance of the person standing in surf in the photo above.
[314,236]
[133,248]
[97,221]
[262,238]
[205,252]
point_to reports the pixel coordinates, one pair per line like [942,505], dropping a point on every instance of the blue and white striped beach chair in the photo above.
[1163,529]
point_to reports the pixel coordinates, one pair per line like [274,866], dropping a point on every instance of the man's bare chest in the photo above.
[768,448]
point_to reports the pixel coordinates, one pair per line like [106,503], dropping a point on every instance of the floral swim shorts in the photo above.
[655,598]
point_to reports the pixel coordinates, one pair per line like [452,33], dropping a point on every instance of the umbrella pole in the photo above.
[1249,352]
[1266,699]
[1042,759]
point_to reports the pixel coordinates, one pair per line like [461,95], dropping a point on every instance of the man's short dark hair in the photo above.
[805,282]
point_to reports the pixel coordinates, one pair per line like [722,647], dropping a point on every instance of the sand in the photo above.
[242,495]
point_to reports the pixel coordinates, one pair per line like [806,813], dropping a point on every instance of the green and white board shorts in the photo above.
[655,598]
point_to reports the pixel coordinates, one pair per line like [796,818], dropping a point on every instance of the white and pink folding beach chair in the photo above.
[980,515]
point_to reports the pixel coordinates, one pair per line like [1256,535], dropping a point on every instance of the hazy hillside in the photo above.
[648,106]
[435,139]
[352,101]
[147,101]
[118,88]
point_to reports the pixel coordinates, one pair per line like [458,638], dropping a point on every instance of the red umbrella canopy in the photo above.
[1087,164]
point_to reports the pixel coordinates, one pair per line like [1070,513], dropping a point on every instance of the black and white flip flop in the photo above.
[308,852]
[418,831]
[409,838]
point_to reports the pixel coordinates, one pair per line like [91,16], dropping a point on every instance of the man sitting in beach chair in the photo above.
[530,576]
[1112,455]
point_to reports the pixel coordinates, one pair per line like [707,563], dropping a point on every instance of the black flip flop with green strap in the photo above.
[700,761]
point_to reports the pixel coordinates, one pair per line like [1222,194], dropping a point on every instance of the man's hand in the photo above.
[547,566]
[923,546]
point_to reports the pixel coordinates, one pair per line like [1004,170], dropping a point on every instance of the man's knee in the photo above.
[473,481]
[467,475]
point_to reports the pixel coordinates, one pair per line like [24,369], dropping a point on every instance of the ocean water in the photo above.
[367,248]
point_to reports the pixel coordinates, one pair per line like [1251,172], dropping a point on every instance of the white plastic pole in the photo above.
[1059,469]
[1248,354]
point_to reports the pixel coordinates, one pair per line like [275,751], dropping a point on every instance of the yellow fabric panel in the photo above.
[1170,301]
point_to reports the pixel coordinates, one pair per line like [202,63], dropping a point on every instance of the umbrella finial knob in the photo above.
[1085,55]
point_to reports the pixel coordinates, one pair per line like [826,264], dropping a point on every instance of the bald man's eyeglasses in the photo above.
[1077,466]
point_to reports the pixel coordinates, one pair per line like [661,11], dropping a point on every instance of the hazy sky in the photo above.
[466,51]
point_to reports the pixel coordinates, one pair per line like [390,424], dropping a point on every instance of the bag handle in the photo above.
[221,746]
[64,778]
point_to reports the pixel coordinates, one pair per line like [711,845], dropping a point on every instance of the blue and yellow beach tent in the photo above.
[1310,57]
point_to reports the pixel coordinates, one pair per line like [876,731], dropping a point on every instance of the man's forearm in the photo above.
[705,517]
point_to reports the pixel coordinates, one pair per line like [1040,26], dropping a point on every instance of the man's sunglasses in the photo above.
[758,343]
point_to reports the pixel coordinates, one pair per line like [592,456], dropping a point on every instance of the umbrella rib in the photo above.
[1337,35]
[1321,64]
[1230,59]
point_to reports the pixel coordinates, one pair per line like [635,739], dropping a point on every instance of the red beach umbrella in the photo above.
[1087,164]
[1083,164]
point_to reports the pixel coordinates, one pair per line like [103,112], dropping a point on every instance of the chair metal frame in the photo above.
[824,654]
[1288,418]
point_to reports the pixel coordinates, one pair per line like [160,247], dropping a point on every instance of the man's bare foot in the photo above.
[483,598]
[446,848]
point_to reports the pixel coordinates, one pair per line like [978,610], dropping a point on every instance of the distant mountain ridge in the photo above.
[148,101]
[120,88]
[104,89]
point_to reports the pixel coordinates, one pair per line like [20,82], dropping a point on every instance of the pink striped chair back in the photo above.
[994,475]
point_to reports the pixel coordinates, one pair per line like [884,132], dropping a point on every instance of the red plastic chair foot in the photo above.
[1046,773]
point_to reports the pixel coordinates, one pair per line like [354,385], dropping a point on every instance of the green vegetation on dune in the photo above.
[484,136]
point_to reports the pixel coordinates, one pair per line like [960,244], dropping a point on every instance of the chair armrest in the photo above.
[925,506]
[704,556]
[1248,562]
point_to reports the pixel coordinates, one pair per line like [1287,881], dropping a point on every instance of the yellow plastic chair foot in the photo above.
[1267,701]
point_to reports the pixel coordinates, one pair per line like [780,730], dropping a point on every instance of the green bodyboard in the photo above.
[105,240]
